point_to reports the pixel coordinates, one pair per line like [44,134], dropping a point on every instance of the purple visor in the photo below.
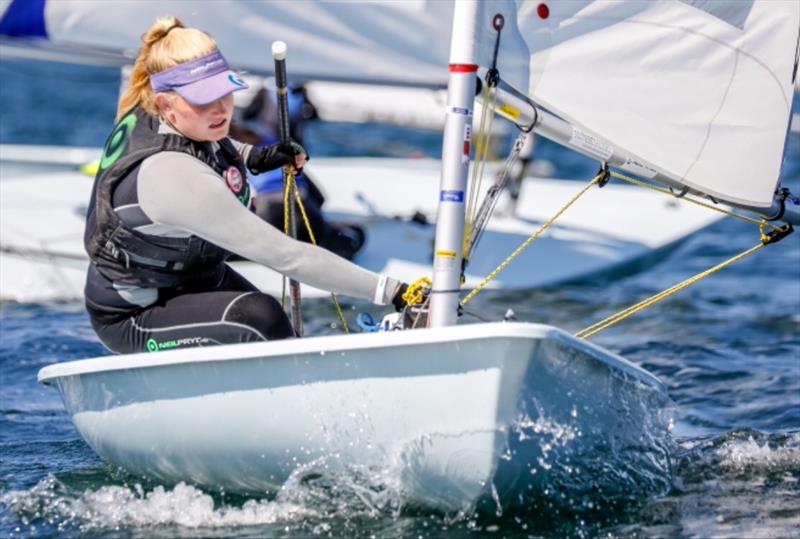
[199,81]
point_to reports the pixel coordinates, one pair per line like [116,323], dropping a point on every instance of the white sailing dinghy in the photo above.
[497,412]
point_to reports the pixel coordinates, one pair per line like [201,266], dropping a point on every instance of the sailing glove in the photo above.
[275,156]
[397,300]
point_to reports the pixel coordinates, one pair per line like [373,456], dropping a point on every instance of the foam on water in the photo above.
[354,490]
[741,484]
[51,503]
[755,454]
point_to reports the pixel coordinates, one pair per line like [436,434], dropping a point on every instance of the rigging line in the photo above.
[483,141]
[527,243]
[755,221]
[55,258]
[421,310]
[307,223]
[32,253]
[652,300]
[484,137]
[773,236]
[493,195]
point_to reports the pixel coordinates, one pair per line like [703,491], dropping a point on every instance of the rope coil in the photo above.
[415,294]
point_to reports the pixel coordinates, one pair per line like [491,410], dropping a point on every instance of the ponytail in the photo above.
[166,44]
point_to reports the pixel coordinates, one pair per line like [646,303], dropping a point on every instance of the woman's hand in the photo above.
[278,155]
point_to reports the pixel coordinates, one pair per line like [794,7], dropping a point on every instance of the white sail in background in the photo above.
[700,89]
[392,41]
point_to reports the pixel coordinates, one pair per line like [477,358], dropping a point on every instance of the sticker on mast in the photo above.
[451,196]
[467,140]
[461,111]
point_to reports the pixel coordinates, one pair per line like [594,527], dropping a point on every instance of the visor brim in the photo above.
[208,90]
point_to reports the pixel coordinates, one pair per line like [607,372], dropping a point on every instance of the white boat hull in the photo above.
[42,220]
[447,412]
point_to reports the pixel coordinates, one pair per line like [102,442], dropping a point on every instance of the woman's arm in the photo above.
[177,190]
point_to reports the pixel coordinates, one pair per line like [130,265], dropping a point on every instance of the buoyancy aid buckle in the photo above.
[130,259]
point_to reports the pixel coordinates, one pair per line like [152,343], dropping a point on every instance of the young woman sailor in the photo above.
[171,202]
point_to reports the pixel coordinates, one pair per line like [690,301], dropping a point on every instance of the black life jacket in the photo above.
[127,256]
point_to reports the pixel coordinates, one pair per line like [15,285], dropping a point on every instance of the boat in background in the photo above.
[491,414]
[43,200]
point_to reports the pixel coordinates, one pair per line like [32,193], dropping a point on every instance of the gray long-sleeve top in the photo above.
[177,190]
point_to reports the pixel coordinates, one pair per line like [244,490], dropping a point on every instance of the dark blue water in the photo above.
[728,349]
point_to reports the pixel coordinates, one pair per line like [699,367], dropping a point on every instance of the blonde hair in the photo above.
[166,44]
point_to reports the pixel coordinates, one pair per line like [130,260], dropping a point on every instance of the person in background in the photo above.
[256,121]
[171,201]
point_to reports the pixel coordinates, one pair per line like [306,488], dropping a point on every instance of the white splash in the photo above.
[561,434]
[740,455]
[114,506]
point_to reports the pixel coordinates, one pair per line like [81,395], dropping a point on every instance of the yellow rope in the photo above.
[415,293]
[630,311]
[483,140]
[288,185]
[306,222]
[652,300]
[313,239]
[527,243]
[765,239]
[656,298]
[755,221]
[476,168]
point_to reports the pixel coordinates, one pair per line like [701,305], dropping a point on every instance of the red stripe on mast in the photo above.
[463,68]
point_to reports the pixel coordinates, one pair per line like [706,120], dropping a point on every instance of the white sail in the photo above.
[392,41]
[699,89]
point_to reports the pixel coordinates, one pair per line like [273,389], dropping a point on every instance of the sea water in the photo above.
[728,350]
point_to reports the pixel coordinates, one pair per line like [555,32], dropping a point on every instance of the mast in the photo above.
[457,141]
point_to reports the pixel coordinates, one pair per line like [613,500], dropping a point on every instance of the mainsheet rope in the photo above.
[290,188]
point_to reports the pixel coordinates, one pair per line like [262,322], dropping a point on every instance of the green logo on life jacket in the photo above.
[118,141]
[245,197]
